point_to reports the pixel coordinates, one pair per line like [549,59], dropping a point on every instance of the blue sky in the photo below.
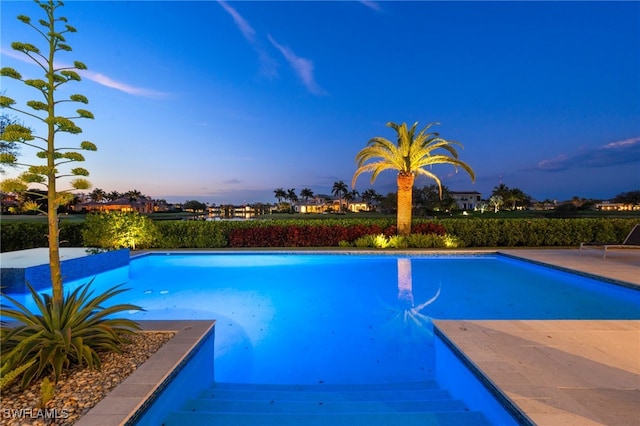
[224,102]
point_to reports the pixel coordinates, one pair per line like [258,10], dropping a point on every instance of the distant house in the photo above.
[9,201]
[466,200]
[619,207]
[322,204]
[141,205]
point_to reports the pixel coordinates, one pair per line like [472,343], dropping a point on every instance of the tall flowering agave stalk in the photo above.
[45,112]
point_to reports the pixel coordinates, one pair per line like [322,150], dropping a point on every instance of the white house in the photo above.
[466,200]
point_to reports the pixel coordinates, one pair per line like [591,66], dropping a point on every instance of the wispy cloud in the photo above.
[268,67]
[301,66]
[611,154]
[232,182]
[123,87]
[96,77]
[372,5]
[245,28]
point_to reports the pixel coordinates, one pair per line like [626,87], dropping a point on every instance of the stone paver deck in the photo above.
[559,373]
[620,265]
[563,373]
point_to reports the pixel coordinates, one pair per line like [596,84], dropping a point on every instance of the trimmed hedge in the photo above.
[537,232]
[316,235]
[26,235]
[193,234]
[473,232]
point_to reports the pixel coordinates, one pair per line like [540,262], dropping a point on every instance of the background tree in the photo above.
[339,189]
[45,112]
[7,147]
[305,194]
[631,197]
[280,194]
[518,198]
[495,201]
[292,197]
[502,191]
[113,195]
[512,197]
[193,205]
[133,195]
[97,195]
[428,197]
[389,203]
[412,153]
[371,197]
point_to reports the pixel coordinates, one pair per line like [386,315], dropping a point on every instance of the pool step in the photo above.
[414,403]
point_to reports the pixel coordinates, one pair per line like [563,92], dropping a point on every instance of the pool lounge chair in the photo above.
[632,241]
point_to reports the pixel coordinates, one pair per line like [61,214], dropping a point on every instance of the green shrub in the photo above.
[472,232]
[409,241]
[432,241]
[380,241]
[481,232]
[193,234]
[27,235]
[365,241]
[59,335]
[114,230]
[398,242]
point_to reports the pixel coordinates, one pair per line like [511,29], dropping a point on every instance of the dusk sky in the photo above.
[224,102]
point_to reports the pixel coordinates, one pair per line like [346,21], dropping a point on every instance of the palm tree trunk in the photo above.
[405,199]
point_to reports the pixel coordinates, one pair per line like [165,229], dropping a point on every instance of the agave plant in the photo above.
[61,334]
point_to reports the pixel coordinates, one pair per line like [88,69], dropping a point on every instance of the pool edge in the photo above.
[129,399]
[501,398]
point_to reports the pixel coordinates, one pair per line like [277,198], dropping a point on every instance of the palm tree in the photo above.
[339,190]
[291,196]
[133,195]
[113,195]
[349,197]
[280,194]
[98,195]
[370,196]
[305,194]
[409,157]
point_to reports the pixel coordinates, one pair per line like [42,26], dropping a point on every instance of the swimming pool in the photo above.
[301,307]
[347,319]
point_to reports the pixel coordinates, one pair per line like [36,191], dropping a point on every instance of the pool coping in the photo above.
[129,399]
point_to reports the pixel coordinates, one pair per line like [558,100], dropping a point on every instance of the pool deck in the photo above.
[565,372]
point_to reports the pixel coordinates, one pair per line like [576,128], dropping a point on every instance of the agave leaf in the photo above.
[29,375]
[78,348]
[58,363]
[9,376]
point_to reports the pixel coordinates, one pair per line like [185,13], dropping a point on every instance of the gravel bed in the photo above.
[79,389]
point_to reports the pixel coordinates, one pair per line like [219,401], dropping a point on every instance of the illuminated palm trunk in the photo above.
[405,200]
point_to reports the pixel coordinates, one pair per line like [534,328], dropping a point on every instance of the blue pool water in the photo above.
[347,321]
[304,319]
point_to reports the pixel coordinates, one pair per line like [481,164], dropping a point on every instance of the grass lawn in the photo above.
[523,214]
